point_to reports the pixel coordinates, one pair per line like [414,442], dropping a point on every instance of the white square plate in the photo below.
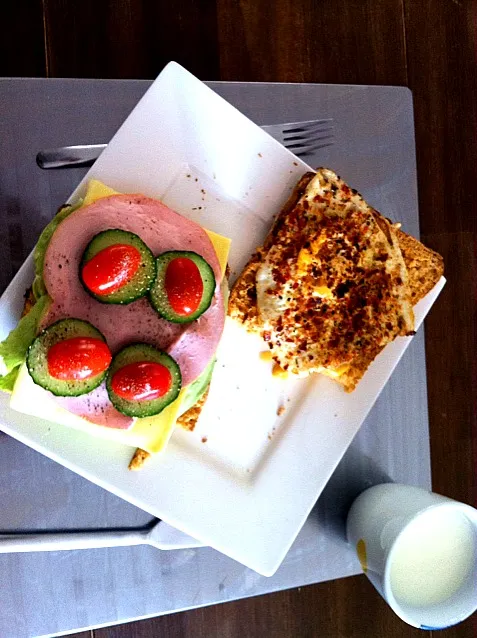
[246,479]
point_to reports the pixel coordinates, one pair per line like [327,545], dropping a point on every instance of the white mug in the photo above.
[419,549]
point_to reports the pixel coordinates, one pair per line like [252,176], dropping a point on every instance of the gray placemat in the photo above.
[374,151]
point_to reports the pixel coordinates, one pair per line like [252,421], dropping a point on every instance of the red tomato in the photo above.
[78,358]
[141,381]
[184,286]
[111,268]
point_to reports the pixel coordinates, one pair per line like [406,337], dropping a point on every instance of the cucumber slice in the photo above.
[158,293]
[140,283]
[139,353]
[37,362]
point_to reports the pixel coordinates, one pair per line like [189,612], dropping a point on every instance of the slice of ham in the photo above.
[191,345]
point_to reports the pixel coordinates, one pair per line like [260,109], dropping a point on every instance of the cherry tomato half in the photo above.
[111,268]
[184,286]
[141,381]
[78,358]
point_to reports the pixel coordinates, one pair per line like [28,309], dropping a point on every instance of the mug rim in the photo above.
[471,513]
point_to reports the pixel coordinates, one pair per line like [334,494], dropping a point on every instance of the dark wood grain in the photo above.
[130,38]
[318,611]
[441,41]
[441,61]
[300,613]
[450,354]
[22,44]
[344,41]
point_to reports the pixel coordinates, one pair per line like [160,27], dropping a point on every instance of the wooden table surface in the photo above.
[427,45]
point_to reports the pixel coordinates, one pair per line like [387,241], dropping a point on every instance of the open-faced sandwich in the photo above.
[121,324]
[333,283]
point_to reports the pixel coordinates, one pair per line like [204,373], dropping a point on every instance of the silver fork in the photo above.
[301,138]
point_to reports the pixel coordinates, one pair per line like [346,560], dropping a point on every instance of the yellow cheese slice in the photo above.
[151,434]
[97,190]
[222,248]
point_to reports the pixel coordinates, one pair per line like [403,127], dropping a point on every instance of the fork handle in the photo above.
[85,155]
[52,542]
[79,156]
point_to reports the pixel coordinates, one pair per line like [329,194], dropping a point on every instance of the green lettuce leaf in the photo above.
[196,389]
[8,381]
[42,244]
[14,348]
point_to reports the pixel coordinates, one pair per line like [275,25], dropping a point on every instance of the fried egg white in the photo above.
[333,287]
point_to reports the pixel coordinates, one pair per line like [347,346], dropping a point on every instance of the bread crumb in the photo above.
[204,439]
[266,355]
[140,457]
[280,410]
[189,419]
[259,154]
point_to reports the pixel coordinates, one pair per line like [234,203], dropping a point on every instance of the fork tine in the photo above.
[303,126]
[306,150]
[306,132]
[305,135]
[302,138]
[309,141]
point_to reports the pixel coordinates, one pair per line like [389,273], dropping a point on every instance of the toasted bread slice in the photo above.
[424,268]
[243,296]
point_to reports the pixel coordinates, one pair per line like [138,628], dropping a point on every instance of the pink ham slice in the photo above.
[192,345]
